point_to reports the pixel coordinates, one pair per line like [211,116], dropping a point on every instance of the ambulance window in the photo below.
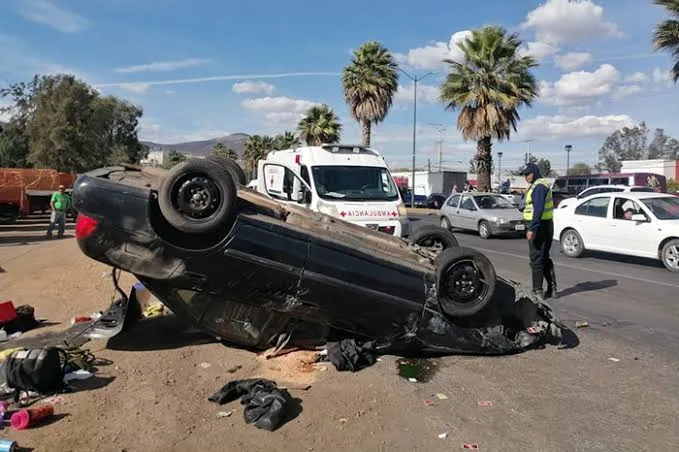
[305,174]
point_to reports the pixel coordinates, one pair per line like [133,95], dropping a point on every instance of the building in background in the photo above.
[668,168]
[156,156]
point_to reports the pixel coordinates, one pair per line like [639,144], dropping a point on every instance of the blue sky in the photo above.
[206,68]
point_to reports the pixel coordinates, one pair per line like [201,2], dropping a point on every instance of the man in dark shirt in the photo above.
[538,214]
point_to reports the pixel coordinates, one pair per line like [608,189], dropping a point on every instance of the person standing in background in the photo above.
[59,203]
[538,213]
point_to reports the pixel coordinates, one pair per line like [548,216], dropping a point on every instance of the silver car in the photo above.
[488,213]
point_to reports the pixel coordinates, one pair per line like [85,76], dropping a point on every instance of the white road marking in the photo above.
[586,269]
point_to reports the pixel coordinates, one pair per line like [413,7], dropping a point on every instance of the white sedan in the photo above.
[632,223]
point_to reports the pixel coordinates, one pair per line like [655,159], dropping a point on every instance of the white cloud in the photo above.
[626,90]
[138,88]
[660,76]
[46,13]
[162,66]
[425,93]
[152,131]
[637,77]
[573,60]
[538,50]
[284,119]
[432,56]
[251,87]
[581,87]
[278,104]
[560,127]
[561,21]
[170,91]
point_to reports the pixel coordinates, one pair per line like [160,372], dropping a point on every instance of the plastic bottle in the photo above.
[25,418]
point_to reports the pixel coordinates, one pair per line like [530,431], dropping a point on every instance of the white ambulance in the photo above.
[349,182]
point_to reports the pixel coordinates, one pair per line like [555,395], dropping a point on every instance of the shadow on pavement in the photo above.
[18,227]
[588,286]
[568,339]
[164,332]
[610,257]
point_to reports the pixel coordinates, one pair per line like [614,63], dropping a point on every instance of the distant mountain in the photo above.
[235,141]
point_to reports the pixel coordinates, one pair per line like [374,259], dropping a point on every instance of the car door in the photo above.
[282,184]
[636,238]
[450,209]
[467,213]
[590,219]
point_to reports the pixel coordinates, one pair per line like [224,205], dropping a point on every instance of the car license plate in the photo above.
[520,227]
[374,227]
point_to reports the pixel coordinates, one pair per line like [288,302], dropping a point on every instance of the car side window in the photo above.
[304,172]
[623,209]
[467,203]
[597,207]
[453,201]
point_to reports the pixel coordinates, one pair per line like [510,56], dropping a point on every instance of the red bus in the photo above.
[575,184]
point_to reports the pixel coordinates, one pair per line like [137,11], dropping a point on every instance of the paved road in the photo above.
[636,300]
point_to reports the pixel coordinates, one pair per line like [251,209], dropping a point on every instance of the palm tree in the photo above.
[489,87]
[666,34]
[286,140]
[320,125]
[219,150]
[370,82]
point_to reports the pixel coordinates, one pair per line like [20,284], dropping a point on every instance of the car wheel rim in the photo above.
[571,244]
[444,223]
[197,197]
[672,257]
[483,229]
[464,283]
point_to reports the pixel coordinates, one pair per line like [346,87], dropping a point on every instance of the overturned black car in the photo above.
[252,271]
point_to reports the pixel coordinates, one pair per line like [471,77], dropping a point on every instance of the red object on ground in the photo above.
[7,312]
[25,418]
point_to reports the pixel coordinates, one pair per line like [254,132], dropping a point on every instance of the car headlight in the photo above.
[328,209]
[500,220]
[402,211]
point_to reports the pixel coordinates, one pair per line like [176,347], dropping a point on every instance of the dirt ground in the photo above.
[153,395]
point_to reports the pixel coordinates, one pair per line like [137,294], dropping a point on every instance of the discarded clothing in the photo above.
[265,405]
[348,355]
[40,370]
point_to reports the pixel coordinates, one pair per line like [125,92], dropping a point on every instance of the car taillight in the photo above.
[85,226]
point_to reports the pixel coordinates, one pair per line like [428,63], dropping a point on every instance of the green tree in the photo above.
[115,123]
[370,82]
[666,33]
[173,157]
[632,143]
[219,150]
[672,186]
[545,167]
[320,125]
[13,147]
[254,152]
[488,88]
[580,169]
[286,140]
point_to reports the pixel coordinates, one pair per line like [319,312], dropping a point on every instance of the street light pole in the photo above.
[499,167]
[415,79]
[568,148]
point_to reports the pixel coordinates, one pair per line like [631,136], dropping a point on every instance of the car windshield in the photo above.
[355,183]
[493,202]
[665,208]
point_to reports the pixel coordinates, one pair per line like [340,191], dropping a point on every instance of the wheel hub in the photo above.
[672,257]
[464,282]
[198,197]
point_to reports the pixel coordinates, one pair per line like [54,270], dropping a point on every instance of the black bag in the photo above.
[39,370]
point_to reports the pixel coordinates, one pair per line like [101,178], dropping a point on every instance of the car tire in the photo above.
[485,232]
[231,166]
[571,243]
[434,238]
[465,280]
[670,255]
[445,223]
[200,177]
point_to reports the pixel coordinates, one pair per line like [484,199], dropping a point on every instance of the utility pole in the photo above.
[528,142]
[499,167]
[441,129]
[415,79]
[429,165]
[568,148]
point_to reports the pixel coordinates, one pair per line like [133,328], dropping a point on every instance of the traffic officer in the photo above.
[538,213]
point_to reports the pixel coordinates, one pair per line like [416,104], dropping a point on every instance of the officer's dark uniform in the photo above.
[538,213]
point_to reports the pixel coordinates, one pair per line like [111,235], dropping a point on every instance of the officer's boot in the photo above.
[550,276]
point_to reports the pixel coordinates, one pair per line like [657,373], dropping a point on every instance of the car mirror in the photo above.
[640,218]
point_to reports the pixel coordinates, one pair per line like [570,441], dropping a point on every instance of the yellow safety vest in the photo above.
[548,212]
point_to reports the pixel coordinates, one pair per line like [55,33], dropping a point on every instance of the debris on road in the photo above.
[77,375]
[615,360]
[224,414]
[441,396]
[266,405]
[485,403]
[443,436]
[205,365]
[470,446]
[29,417]
[581,324]
[349,355]
[234,368]
[412,380]
[429,403]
